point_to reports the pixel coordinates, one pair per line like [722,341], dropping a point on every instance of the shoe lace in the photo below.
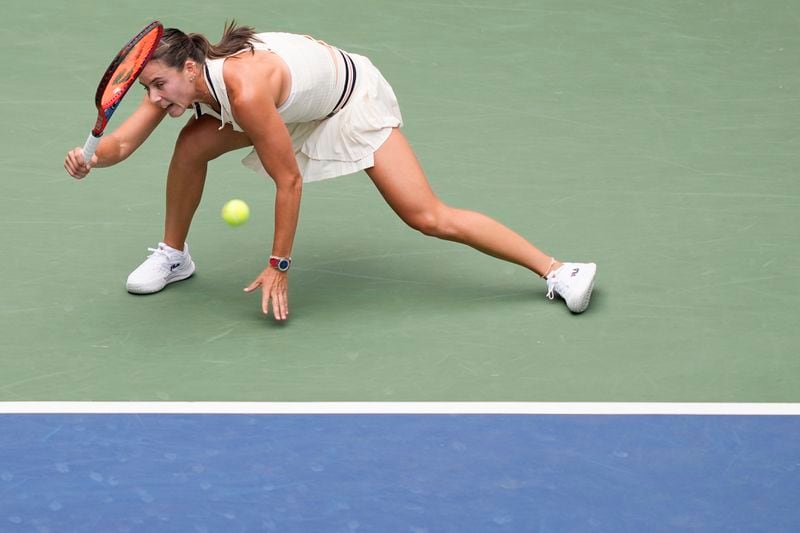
[156,251]
[551,285]
[159,257]
[556,284]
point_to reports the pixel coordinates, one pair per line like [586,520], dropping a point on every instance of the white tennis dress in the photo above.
[339,111]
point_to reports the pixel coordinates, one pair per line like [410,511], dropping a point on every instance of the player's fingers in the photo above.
[76,155]
[74,171]
[284,304]
[277,307]
[280,298]
[265,303]
[75,164]
[253,286]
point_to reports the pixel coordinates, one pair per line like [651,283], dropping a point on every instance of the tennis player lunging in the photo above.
[311,112]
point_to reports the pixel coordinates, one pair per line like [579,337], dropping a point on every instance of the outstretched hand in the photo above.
[76,165]
[274,286]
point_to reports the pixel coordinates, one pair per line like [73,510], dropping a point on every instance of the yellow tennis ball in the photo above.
[235,212]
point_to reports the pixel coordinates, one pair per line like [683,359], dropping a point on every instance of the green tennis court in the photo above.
[658,139]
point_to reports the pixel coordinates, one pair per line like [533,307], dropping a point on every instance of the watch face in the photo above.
[280,263]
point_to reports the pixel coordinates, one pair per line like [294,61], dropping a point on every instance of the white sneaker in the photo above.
[163,266]
[574,283]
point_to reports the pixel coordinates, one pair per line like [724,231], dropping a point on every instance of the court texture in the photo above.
[419,386]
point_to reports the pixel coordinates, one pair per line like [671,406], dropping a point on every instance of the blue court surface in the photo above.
[393,472]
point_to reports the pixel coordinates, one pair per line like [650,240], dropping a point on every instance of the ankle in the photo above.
[554,265]
[181,248]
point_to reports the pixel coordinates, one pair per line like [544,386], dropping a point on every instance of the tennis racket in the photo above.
[120,76]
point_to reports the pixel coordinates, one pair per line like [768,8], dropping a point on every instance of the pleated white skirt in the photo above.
[346,142]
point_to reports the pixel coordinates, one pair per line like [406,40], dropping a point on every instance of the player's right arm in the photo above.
[120,143]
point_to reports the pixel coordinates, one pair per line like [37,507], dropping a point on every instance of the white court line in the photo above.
[421,408]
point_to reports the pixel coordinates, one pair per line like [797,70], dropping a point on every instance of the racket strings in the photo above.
[128,65]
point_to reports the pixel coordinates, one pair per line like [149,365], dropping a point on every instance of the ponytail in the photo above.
[234,39]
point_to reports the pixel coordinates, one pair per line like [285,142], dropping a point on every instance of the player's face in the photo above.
[168,87]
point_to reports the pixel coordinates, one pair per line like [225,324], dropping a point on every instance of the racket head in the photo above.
[123,71]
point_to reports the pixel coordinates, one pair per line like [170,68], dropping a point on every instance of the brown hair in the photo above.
[176,47]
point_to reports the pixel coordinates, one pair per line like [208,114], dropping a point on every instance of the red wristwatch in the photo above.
[280,263]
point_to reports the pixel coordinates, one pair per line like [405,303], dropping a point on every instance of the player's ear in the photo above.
[191,67]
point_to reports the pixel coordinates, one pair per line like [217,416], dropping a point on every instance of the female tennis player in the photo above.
[311,112]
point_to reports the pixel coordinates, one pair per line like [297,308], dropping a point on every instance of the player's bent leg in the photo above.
[199,142]
[401,181]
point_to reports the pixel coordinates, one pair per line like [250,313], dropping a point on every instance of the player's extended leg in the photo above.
[402,182]
[198,143]
[400,179]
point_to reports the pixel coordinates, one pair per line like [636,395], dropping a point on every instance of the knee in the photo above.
[196,142]
[433,223]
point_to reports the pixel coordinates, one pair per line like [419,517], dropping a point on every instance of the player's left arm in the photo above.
[253,90]
[253,94]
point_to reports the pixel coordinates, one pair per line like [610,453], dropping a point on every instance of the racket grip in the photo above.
[90,147]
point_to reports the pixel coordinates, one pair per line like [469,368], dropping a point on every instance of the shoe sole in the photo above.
[133,289]
[587,295]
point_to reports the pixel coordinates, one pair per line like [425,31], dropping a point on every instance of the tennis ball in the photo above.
[235,212]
